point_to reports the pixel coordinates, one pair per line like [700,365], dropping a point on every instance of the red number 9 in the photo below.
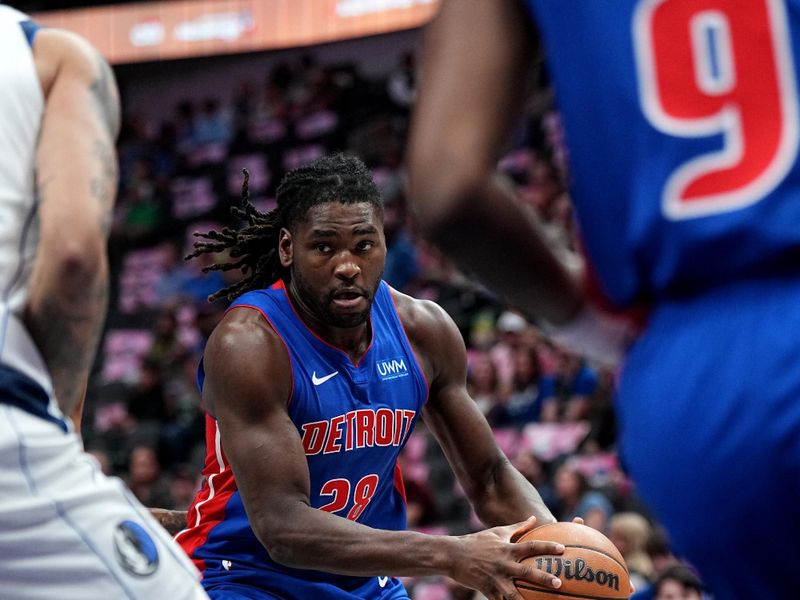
[710,67]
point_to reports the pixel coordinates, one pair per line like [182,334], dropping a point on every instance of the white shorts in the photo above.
[69,532]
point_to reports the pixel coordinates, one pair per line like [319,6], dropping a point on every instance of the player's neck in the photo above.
[353,341]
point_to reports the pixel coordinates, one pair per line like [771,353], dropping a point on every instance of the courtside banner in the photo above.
[188,28]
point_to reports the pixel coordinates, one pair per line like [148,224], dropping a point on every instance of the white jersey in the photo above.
[21,111]
[66,530]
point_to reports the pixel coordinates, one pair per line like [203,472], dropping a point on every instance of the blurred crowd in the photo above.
[551,410]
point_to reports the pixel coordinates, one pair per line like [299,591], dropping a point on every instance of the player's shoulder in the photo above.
[242,334]
[59,52]
[245,362]
[426,323]
[64,56]
[416,311]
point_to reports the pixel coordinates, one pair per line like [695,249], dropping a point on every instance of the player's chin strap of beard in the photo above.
[599,335]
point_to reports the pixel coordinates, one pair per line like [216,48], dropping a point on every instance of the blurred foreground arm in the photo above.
[76,177]
[478,58]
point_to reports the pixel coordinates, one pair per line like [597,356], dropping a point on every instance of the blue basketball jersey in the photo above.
[681,122]
[353,420]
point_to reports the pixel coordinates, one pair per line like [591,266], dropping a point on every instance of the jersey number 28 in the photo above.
[339,490]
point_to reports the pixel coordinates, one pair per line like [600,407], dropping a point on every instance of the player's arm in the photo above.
[76,180]
[247,387]
[497,491]
[173,521]
[478,58]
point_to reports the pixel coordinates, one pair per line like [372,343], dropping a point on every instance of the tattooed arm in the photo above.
[76,178]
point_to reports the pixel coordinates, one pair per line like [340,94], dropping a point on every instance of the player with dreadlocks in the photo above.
[313,381]
[256,244]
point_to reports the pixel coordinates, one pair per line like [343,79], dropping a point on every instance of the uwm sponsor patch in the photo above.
[392,368]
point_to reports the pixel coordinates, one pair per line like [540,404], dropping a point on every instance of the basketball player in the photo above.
[681,120]
[314,380]
[66,531]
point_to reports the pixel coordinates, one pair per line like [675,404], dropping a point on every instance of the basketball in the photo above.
[591,567]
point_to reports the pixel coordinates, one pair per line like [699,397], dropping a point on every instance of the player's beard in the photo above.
[323,307]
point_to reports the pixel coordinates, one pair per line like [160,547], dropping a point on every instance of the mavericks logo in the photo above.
[392,368]
[135,549]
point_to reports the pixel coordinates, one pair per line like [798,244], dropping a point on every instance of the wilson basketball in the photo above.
[590,568]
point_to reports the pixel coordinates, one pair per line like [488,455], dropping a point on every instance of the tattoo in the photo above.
[104,186]
[104,92]
[67,331]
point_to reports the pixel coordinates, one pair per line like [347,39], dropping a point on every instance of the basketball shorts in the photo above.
[709,410]
[69,532]
[275,587]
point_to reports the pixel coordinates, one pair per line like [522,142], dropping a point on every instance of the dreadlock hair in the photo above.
[254,246]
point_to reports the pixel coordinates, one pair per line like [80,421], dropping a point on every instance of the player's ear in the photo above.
[285,247]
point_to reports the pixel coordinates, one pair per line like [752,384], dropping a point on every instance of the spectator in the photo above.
[524,402]
[168,348]
[183,429]
[186,140]
[678,583]
[630,531]
[141,212]
[402,265]
[176,274]
[146,399]
[600,413]
[211,127]
[659,550]
[576,499]
[566,394]
[145,480]
[511,328]
[182,488]
[482,382]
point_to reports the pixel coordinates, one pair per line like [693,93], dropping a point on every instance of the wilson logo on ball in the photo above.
[577,570]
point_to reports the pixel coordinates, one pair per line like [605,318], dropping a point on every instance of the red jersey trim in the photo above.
[208,508]
[595,292]
[399,484]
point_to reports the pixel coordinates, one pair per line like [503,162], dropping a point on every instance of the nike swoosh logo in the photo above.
[382,581]
[320,380]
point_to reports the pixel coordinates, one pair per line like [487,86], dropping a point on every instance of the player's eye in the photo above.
[323,248]
[365,245]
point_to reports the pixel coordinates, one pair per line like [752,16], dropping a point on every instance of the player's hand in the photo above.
[488,561]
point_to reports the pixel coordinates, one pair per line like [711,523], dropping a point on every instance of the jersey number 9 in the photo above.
[719,68]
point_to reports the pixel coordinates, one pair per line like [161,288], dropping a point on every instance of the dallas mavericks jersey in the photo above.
[681,119]
[23,374]
[353,420]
